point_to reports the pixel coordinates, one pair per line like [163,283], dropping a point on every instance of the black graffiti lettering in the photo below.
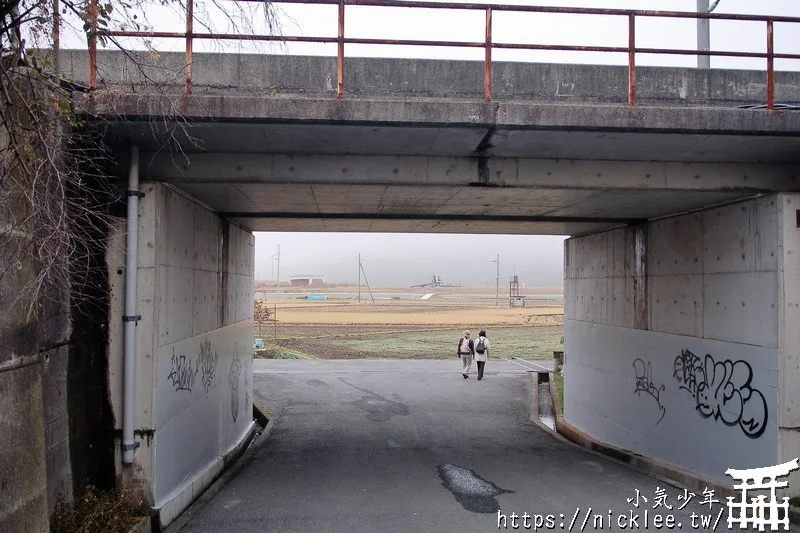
[644,383]
[206,365]
[722,390]
[182,373]
[686,370]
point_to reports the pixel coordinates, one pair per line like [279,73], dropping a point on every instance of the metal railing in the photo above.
[488,44]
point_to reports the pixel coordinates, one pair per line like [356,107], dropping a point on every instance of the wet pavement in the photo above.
[411,446]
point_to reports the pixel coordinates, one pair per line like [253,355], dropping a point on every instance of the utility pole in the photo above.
[703,35]
[704,32]
[497,287]
[359,278]
[361,269]
[278,279]
[56,39]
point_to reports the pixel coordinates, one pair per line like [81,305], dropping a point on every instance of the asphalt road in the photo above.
[410,446]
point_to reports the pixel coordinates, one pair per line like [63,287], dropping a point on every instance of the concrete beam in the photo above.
[488,227]
[279,169]
[110,105]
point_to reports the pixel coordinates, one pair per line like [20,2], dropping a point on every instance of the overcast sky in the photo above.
[403,259]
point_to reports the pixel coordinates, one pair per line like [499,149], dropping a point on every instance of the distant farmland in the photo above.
[413,329]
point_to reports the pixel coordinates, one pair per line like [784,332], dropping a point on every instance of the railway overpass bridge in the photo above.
[682,272]
[681,275]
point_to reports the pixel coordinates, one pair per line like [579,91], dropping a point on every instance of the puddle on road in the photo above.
[471,491]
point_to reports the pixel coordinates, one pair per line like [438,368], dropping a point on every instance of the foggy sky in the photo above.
[403,259]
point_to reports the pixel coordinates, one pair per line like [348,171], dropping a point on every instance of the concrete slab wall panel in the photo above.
[715,282]
[194,363]
[789,332]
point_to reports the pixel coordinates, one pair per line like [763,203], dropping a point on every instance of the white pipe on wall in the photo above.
[130,318]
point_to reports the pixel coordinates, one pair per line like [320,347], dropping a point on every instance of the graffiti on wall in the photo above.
[644,383]
[722,390]
[207,364]
[182,373]
[234,374]
[184,369]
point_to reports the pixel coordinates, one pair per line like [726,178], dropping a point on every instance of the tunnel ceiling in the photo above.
[454,179]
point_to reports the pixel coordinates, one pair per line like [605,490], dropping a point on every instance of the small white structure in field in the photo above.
[518,301]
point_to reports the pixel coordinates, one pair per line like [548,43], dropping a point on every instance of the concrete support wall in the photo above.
[789,332]
[681,342]
[54,429]
[194,346]
[35,466]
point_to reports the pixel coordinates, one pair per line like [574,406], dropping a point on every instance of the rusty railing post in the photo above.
[631,60]
[340,55]
[56,39]
[487,74]
[770,66]
[189,43]
[93,9]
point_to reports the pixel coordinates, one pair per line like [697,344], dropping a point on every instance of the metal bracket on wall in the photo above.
[134,318]
[135,193]
[129,447]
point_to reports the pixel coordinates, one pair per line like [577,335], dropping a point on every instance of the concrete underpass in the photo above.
[682,279]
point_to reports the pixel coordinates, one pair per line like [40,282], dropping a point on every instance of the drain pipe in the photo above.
[131,318]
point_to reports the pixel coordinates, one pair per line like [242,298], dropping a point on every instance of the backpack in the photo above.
[465,346]
[481,347]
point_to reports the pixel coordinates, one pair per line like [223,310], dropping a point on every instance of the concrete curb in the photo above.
[260,416]
[534,407]
[534,416]
[232,471]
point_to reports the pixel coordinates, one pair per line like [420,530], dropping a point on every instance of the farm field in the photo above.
[408,329]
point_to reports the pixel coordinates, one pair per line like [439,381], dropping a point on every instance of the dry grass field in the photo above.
[417,314]
[401,327]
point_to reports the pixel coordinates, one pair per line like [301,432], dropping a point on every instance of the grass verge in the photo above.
[526,342]
[559,378]
[281,353]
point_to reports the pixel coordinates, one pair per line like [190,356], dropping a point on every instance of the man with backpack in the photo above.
[481,352]
[465,350]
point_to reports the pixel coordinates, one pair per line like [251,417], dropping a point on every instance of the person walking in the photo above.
[481,352]
[465,350]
